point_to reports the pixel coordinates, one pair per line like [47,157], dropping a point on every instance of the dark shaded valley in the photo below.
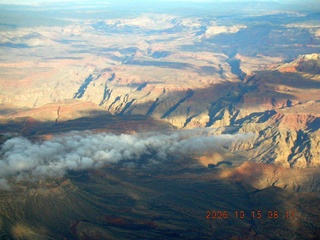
[164,120]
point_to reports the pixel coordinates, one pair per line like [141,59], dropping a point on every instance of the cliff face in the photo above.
[286,116]
[132,120]
[280,107]
[286,139]
[191,72]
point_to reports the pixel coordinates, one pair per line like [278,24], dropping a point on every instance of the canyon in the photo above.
[218,105]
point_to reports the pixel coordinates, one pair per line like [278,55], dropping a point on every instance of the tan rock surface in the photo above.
[172,68]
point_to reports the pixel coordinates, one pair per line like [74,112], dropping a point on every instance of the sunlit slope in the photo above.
[254,72]
[279,106]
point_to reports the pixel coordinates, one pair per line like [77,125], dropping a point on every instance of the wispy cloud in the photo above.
[21,159]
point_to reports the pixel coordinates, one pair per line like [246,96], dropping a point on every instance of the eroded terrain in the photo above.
[225,108]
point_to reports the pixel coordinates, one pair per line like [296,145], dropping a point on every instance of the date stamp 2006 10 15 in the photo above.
[255,214]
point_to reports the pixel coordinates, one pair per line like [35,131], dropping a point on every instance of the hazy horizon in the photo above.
[28,2]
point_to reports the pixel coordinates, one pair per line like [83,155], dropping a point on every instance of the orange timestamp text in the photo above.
[255,214]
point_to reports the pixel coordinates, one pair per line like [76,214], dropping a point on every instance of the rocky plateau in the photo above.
[142,121]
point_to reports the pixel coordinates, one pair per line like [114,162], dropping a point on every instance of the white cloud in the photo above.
[23,159]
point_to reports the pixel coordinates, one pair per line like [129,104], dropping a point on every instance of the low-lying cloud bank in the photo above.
[23,159]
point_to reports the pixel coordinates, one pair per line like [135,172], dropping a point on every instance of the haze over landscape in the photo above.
[159,119]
